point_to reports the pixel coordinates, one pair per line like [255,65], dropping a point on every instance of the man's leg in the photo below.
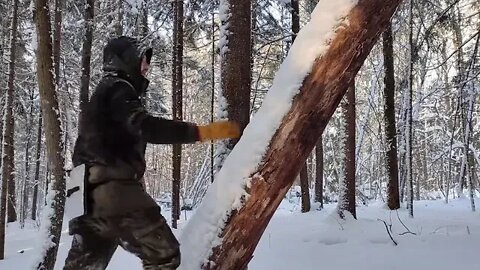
[147,235]
[89,249]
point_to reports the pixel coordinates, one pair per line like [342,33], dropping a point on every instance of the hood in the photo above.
[123,56]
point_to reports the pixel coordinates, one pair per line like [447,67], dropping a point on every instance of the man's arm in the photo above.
[126,108]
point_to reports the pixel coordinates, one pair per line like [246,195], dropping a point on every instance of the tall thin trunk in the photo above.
[3,194]
[54,145]
[409,121]
[305,191]
[86,58]
[319,172]
[5,153]
[36,177]
[349,196]
[212,101]
[390,126]
[177,97]
[8,168]
[26,179]
[119,19]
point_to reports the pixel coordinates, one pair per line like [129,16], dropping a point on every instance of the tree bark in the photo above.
[3,198]
[8,168]
[304,187]
[319,172]
[236,73]
[86,58]
[390,126]
[177,97]
[348,201]
[49,104]
[409,120]
[299,131]
[36,182]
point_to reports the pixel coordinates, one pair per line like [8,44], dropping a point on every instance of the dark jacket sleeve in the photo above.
[127,109]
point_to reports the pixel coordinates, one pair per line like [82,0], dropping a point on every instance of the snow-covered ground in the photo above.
[447,236]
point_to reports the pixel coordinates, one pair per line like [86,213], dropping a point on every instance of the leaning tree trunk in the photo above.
[8,168]
[347,201]
[289,147]
[86,58]
[49,105]
[177,101]
[236,73]
[390,127]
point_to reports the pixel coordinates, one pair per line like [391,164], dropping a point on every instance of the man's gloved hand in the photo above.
[218,130]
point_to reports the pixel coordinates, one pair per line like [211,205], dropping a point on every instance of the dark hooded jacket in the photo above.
[115,127]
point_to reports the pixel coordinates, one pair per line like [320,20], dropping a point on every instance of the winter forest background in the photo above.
[435,90]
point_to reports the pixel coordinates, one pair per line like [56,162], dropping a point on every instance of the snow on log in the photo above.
[321,64]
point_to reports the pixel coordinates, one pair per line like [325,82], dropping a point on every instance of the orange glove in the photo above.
[218,130]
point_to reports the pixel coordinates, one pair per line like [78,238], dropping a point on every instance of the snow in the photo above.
[307,241]
[226,193]
[44,238]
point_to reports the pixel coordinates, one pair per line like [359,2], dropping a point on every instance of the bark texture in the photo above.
[54,145]
[8,168]
[390,125]
[319,172]
[177,101]
[348,200]
[311,110]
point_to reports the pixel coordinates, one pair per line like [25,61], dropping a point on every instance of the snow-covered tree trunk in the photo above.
[236,58]
[228,225]
[390,127]
[53,214]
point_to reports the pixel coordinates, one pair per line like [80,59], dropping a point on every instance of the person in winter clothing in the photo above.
[114,132]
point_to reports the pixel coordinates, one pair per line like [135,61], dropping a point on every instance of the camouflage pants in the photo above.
[143,233]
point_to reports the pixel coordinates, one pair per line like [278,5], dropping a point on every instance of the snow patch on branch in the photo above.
[226,194]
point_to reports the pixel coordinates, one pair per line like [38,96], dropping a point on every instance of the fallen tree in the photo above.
[308,87]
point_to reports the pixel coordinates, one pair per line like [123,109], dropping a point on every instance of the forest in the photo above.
[343,105]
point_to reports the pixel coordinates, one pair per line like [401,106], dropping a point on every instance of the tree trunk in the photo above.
[409,120]
[390,126]
[49,104]
[57,37]
[305,191]
[348,199]
[8,168]
[299,131]
[86,58]
[3,198]
[236,73]
[319,172]
[37,168]
[177,97]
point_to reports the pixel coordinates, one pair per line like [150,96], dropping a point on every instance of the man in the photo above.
[113,135]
